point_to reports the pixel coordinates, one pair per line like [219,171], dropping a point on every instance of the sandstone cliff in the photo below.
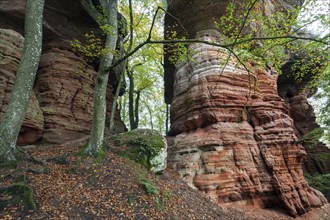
[61,106]
[232,136]
[296,93]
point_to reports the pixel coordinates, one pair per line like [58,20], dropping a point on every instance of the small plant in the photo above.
[158,203]
[130,199]
[168,195]
[312,138]
[148,186]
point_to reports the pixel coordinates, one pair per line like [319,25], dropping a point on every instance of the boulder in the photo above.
[145,146]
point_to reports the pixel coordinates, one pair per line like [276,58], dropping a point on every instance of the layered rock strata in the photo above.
[296,95]
[232,136]
[64,88]
[61,106]
[11,45]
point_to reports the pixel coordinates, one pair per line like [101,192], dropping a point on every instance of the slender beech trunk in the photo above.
[150,115]
[25,77]
[136,110]
[96,141]
[114,101]
[167,119]
[131,100]
[121,71]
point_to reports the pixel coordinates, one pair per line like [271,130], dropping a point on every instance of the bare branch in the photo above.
[237,36]
[244,22]
[282,37]
[229,46]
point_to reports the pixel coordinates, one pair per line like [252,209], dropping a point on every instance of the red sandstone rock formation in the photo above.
[11,45]
[65,91]
[61,105]
[233,137]
[296,95]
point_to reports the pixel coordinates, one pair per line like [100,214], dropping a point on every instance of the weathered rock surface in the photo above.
[197,15]
[63,19]
[318,160]
[233,137]
[64,88]
[11,45]
[62,102]
[296,95]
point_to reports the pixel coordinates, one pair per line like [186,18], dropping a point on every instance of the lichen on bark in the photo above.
[96,141]
[26,73]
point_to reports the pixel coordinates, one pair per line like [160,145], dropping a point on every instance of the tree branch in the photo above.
[91,10]
[130,25]
[237,36]
[226,46]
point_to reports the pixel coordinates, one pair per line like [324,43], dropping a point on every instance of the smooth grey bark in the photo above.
[25,77]
[122,76]
[96,141]
[120,69]
[114,101]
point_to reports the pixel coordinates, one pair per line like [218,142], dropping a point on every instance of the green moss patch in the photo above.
[319,181]
[321,156]
[18,194]
[140,145]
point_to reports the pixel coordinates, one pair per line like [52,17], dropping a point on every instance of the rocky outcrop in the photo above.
[296,94]
[318,159]
[234,138]
[317,165]
[62,102]
[64,88]
[231,134]
[11,45]
[63,20]
[191,16]
[145,146]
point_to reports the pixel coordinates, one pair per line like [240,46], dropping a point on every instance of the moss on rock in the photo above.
[17,194]
[320,182]
[144,146]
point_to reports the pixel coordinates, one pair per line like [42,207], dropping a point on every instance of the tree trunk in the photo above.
[150,115]
[120,69]
[131,100]
[136,110]
[25,77]
[96,141]
[114,102]
[167,119]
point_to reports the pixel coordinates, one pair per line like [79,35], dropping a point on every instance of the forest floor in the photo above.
[68,186]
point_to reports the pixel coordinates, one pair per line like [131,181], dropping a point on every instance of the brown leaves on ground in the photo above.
[112,189]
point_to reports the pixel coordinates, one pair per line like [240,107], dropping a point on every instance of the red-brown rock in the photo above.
[62,102]
[233,137]
[304,119]
[64,88]
[11,45]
